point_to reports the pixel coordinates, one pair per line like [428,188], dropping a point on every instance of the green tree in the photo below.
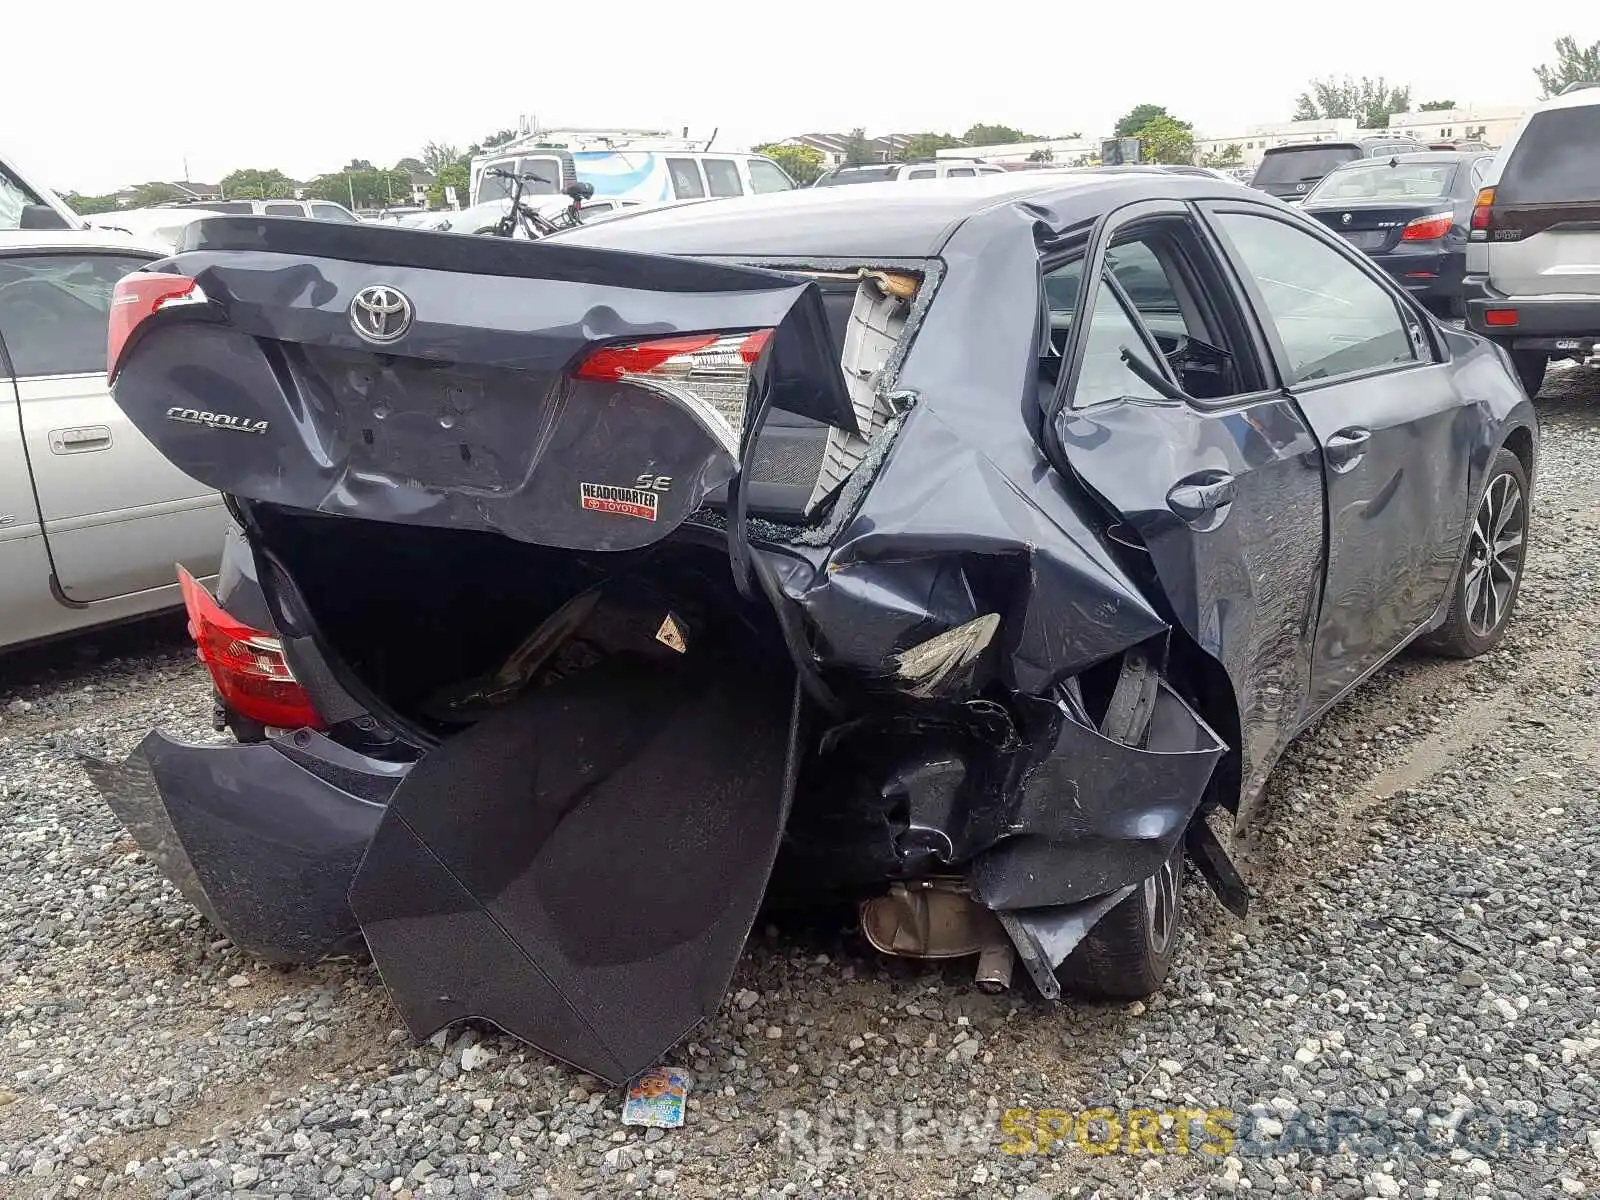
[1436,105]
[926,145]
[857,149]
[364,188]
[457,175]
[800,163]
[1231,155]
[1165,139]
[1369,101]
[490,142]
[1137,117]
[86,206]
[1574,64]
[146,195]
[249,183]
[996,135]
[436,156]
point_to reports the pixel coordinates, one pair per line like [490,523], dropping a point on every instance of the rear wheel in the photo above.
[1128,954]
[1530,367]
[1485,590]
[1129,951]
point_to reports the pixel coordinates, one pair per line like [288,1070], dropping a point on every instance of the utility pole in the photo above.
[350,182]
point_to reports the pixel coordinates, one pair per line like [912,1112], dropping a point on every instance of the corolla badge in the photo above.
[215,420]
[380,313]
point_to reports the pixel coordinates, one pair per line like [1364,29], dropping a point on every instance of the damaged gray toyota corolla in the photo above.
[952,549]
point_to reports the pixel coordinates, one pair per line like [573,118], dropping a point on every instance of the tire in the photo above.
[1128,954]
[1530,366]
[1484,593]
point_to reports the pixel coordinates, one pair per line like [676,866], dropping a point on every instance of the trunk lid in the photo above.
[568,396]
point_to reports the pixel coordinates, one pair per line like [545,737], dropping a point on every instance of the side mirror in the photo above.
[41,216]
[581,191]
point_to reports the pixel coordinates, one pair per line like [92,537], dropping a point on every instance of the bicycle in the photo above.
[524,216]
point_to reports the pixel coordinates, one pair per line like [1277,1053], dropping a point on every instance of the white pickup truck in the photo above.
[92,519]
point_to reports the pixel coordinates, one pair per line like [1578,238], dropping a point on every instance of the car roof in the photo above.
[1418,156]
[1585,97]
[874,221]
[74,239]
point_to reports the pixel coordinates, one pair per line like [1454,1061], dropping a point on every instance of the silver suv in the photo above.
[1533,250]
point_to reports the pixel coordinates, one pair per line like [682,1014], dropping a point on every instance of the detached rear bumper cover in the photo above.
[263,839]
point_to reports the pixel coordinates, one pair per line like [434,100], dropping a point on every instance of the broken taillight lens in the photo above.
[707,370]
[251,676]
[137,297]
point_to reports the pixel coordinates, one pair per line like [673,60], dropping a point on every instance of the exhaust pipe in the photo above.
[937,919]
[994,967]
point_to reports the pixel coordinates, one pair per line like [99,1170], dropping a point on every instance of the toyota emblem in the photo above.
[1345,220]
[380,313]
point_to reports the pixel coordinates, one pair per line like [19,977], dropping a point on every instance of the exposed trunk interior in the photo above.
[445,626]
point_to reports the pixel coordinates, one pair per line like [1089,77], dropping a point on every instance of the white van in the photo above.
[633,176]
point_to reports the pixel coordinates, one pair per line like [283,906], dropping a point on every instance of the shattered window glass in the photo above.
[54,309]
[1104,375]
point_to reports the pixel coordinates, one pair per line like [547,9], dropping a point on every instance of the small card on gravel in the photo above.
[657,1098]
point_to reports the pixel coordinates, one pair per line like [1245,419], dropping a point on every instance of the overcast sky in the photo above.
[99,95]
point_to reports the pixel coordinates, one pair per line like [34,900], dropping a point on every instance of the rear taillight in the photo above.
[135,299]
[712,369]
[1482,215]
[246,664]
[1428,229]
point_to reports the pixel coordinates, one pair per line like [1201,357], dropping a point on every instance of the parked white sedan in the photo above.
[92,519]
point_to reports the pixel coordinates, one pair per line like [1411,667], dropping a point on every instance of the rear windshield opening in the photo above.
[1557,159]
[1302,164]
[1378,179]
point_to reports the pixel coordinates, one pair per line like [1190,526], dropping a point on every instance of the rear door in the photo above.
[1223,487]
[1546,238]
[1394,433]
[117,515]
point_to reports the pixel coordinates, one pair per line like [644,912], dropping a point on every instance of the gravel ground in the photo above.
[1417,975]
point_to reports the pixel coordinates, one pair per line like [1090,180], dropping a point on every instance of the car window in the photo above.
[284,210]
[922,173]
[685,174]
[332,212]
[1385,179]
[768,177]
[1480,172]
[13,199]
[1104,375]
[229,206]
[722,174]
[53,310]
[1556,160]
[1332,318]
[1300,164]
[960,171]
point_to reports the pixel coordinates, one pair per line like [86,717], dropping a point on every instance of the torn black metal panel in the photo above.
[1094,814]
[608,917]
[943,538]
[263,839]
[1044,937]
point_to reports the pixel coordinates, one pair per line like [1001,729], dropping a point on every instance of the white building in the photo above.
[1059,152]
[1261,138]
[1493,125]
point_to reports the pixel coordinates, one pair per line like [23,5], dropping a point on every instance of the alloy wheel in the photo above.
[1494,554]
[1161,905]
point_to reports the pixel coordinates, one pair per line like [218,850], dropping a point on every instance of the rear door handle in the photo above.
[1345,448]
[1200,496]
[80,439]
